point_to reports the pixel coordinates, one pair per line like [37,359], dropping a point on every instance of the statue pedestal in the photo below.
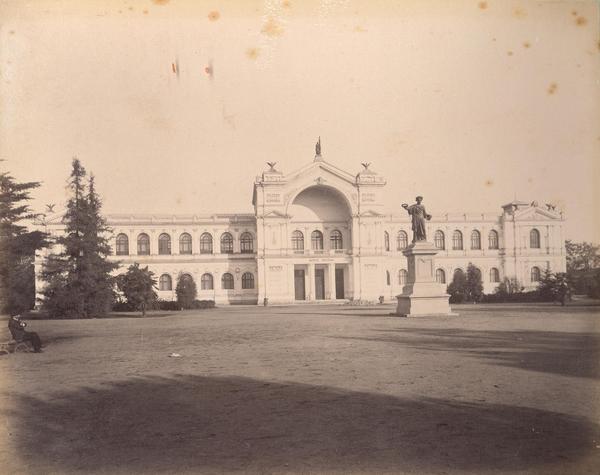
[422,295]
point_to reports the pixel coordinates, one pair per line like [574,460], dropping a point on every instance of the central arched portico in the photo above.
[320,217]
[308,232]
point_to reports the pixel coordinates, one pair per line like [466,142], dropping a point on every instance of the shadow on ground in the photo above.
[565,353]
[192,424]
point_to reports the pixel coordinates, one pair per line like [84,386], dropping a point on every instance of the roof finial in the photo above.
[318,148]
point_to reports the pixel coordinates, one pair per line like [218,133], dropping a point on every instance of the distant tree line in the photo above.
[582,277]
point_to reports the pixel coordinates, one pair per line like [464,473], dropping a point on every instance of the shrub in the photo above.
[516,297]
[202,304]
[167,305]
[123,307]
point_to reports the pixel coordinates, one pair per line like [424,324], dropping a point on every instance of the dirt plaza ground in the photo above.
[308,389]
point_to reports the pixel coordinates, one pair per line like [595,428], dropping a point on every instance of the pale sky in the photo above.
[467,103]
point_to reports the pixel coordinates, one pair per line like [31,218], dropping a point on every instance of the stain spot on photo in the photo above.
[160,2]
[214,15]
[482,5]
[145,12]
[526,44]
[519,13]
[359,29]
[252,53]
[272,28]
[286,4]
[552,88]
[581,21]
[510,53]
[489,182]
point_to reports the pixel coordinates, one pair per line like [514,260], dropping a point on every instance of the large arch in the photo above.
[319,203]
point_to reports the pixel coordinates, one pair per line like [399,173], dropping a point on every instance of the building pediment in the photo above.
[534,213]
[322,172]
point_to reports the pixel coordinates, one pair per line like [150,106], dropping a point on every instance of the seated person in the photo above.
[18,332]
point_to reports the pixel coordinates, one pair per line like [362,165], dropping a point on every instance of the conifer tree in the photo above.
[17,246]
[186,291]
[79,281]
[474,284]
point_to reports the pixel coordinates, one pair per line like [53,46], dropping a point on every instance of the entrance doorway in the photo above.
[299,289]
[319,284]
[339,283]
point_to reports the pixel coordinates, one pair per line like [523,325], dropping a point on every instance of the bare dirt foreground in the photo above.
[311,389]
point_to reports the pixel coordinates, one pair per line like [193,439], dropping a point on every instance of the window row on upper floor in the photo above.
[439,240]
[165,282]
[336,240]
[185,244]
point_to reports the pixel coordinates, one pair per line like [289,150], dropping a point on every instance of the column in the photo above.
[331,289]
[310,281]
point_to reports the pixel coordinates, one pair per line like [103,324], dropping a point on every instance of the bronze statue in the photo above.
[318,148]
[419,215]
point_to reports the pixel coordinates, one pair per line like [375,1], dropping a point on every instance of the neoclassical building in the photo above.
[322,234]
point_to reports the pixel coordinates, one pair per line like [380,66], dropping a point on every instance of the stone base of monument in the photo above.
[422,295]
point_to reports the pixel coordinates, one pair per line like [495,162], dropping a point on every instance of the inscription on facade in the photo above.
[273,198]
[368,197]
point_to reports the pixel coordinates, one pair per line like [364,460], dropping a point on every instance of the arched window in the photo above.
[227,281]
[402,276]
[164,244]
[143,245]
[534,239]
[536,275]
[165,282]
[494,275]
[206,282]
[247,280]
[475,239]
[122,245]
[298,241]
[335,240]
[388,281]
[401,240]
[493,239]
[185,244]
[386,240]
[206,246]
[440,276]
[316,240]
[226,243]
[440,239]
[457,242]
[246,243]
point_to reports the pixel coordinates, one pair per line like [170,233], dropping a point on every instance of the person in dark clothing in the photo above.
[18,332]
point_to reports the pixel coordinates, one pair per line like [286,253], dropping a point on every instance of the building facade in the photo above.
[322,234]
